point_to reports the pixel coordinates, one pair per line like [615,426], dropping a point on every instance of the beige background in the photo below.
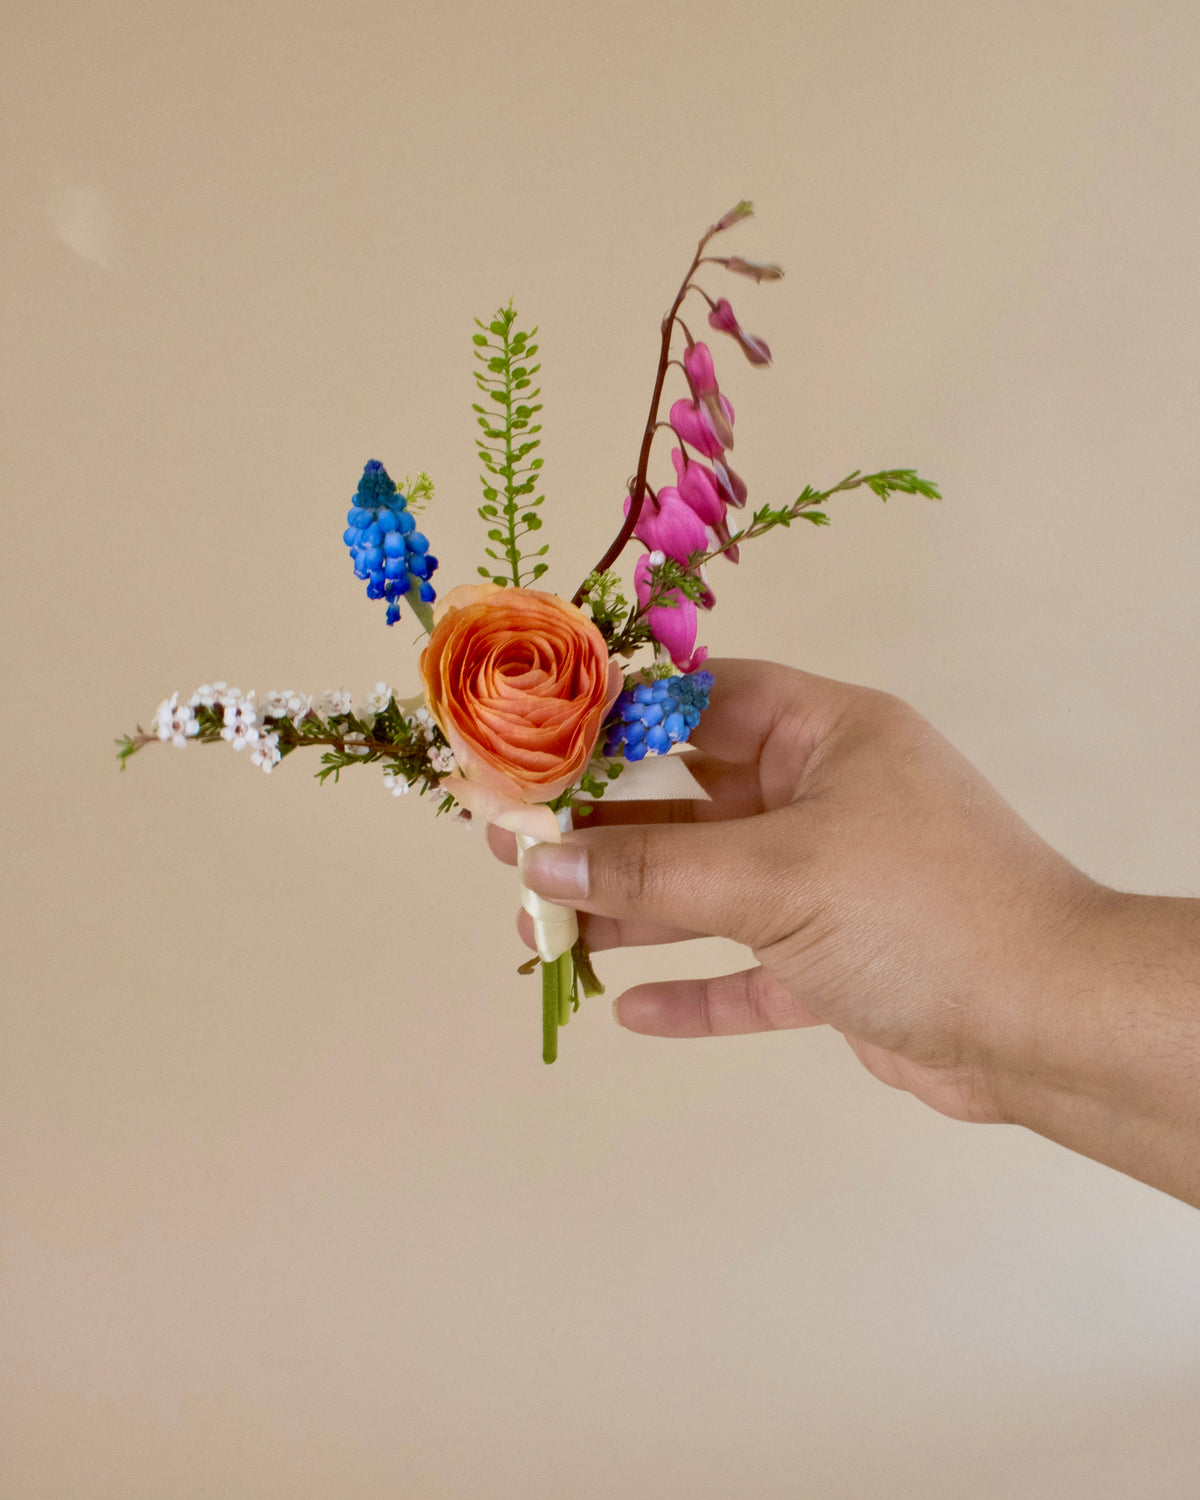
[290,1205]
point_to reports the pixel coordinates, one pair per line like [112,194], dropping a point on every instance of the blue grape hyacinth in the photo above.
[385,546]
[650,718]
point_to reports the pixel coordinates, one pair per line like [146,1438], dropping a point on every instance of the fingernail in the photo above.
[557,871]
[617,1012]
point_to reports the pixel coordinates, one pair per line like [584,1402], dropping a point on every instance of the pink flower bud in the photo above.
[722,319]
[698,366]
[760,270]
[736,214]
[695,426]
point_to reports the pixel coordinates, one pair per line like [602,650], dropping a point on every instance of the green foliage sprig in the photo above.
[627,628]
[608,605]
[510,507]
[803,508]
[392,735]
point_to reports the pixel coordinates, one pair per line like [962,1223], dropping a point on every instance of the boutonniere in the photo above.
[533,704]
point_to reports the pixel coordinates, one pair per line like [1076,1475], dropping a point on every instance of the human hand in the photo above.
[882,884]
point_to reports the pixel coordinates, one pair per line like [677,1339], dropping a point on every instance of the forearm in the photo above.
[1109,1063]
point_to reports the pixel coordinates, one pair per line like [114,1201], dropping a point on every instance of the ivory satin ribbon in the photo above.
[663,778]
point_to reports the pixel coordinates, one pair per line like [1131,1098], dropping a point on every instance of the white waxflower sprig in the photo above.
[402,734]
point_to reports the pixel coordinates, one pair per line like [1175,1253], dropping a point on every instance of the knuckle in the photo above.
[626,872]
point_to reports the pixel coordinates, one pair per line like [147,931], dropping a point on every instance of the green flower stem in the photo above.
[558,998]
[549,1011]
[566,987]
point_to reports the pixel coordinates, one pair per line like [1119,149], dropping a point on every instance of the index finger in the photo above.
[733,790]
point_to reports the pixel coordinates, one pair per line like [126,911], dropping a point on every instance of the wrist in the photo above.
[1105,1058]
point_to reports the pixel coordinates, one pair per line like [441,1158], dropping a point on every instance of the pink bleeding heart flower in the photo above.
[698,367]
[694,425]
[673,626]
[708,491]
[697,486]
[723,320]
[666,524]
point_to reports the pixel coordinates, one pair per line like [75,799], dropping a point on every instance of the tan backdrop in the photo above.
[291,1207]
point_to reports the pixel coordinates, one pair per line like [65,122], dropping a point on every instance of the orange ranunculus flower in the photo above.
[520,682]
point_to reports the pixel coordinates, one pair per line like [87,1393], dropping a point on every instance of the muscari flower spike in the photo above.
[385,546]
[653,716]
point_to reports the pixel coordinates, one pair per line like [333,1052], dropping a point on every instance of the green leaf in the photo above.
[582,960]
[479,338]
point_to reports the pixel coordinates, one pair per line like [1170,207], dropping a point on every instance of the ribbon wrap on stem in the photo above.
[555,928]
[661,778]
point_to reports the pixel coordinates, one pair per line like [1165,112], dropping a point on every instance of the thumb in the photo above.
[740,880]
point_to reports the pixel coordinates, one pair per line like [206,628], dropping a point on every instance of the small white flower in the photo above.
[266,752]
[240,734]
[441,758]
[230,701]
[239,710]
[395,783]
[375,703]
[204,696]
[174,723]
[656,559]
[352,744]
[240,720]
[285,705]
[424,719]
[335,701]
